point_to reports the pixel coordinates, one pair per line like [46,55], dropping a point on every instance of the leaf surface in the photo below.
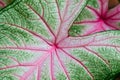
[96,17]
[35,44]
[4,3]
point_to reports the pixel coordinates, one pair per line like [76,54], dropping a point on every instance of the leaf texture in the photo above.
[96,17]
[4,3]
[35,44]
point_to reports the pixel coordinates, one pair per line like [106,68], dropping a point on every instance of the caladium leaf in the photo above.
[4,3]
[96,17]
[35,44]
